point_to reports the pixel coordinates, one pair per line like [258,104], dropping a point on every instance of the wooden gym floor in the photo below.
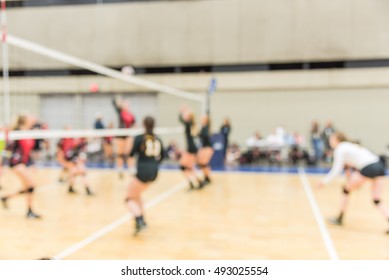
[239,216]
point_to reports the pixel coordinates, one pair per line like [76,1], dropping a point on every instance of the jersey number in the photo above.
[153,148]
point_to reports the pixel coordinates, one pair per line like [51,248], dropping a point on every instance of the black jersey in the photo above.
[148,147]
[204,136]
[191,146]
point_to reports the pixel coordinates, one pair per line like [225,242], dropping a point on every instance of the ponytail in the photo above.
[149,123]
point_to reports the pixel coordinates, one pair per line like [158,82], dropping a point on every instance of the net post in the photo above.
[4,45]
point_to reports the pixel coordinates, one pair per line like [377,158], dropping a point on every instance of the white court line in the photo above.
[319,218]
[100,233]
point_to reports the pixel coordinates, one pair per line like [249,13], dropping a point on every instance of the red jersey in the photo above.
[66,145]
[21,151]
[71,147]
[127,118]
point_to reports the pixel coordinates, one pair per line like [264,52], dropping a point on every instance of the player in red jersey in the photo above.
[20,161]
[123,143]
[70,156]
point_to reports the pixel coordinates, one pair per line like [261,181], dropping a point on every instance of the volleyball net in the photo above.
[39,78]
[99,69]
[69,106]
[62,90]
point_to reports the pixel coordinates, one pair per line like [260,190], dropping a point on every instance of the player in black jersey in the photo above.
[149,151]
[188,158]
[206,151]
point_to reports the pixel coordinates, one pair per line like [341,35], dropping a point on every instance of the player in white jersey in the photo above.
[368,166]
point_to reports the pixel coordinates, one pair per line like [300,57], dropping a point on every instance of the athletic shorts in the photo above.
[147,173]
[206,146]
[373,170]
[192,149]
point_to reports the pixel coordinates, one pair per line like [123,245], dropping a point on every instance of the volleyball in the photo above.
[94,88]
[128,70]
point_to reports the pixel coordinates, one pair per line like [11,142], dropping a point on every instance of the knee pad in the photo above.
[346,191]
[183,168]
[376,202]
[203,165]
[29,190]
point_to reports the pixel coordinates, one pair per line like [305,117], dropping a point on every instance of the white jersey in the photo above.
[351,154]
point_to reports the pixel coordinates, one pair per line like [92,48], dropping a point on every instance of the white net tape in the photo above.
[90,133]
[100,69]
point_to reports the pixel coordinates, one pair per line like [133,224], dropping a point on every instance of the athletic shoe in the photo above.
[32,215]
[4,201]
[191,186]
[89,192]
[71,190]
[335,221]
[206,181]
[139,227]
[202,184]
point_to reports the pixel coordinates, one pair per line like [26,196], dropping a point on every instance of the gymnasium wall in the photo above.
[206,32]
[361,113]
[355,100]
